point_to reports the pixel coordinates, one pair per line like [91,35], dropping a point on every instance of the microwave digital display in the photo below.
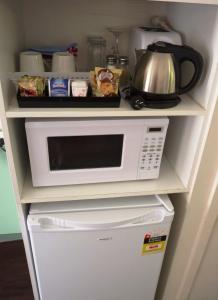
[85,152]
[155,129]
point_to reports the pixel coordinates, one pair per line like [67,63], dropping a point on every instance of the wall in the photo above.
[8,213]
[59,21]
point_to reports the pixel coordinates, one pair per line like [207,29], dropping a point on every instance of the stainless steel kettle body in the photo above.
[155,73]
[158,71]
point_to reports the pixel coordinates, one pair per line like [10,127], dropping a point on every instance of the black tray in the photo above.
[89,101]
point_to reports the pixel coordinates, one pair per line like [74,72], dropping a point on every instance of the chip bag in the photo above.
[106,82]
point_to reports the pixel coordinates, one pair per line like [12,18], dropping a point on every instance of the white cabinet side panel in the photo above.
[198,25]
[12,39]
[182,144]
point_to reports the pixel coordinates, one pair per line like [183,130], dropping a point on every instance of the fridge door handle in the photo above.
[55,223]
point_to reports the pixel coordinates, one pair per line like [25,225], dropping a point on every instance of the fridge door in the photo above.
[118,259]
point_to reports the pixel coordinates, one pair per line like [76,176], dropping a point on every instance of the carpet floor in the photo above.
[14,276]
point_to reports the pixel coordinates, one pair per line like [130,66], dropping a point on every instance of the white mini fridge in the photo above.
[108,249]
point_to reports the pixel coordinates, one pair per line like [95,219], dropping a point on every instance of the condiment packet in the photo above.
[79,88]
[59,87]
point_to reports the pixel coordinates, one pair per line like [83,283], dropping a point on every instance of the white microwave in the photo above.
[78,151]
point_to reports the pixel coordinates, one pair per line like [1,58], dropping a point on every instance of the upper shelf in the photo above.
[187,107]
[215,2]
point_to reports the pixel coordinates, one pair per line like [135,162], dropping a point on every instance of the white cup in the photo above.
[63,62]
[31,61]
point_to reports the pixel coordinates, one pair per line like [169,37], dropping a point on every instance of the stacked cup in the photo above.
[32,62]
[63,62]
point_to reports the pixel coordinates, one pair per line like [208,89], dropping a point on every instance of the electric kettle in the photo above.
[158,74]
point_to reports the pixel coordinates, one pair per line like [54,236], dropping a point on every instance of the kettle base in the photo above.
[162,103]
[139,100]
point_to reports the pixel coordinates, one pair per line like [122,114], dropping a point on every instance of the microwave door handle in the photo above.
[54,224]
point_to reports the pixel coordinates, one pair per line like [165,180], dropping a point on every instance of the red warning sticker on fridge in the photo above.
[153,244]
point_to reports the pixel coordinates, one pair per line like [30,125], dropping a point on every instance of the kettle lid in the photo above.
[161,47]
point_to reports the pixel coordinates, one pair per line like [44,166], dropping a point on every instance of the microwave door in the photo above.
[92,151]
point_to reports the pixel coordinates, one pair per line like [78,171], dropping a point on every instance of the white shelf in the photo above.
[167,183]
[187,107]
[214,2]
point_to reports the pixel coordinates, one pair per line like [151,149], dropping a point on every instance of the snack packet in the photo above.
[31,86]
[93,82]
[107,82]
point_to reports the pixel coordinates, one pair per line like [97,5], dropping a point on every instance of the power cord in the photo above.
[2,144]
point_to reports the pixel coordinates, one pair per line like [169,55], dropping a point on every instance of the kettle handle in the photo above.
[187,53]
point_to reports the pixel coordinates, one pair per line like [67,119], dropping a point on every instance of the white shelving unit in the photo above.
[167,183]
[189,121]
[187,107]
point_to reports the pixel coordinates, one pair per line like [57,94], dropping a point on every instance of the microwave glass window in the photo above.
[85,152]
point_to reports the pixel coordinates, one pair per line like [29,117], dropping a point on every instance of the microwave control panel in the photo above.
[151,152]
